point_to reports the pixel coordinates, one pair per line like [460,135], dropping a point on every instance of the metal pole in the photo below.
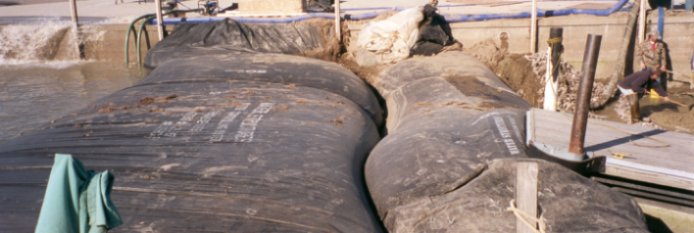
[642,20]
[338,26]
[533,28]
[160,20]
[590,61]
[554,50]
[73,11]
[75,28]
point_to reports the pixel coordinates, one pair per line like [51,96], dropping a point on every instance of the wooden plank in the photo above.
[651,155]
[526,194]
[657,191]
[643,173]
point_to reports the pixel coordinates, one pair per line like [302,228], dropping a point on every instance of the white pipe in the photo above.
[550,99]
[642,20]
[160,20]
[533,28]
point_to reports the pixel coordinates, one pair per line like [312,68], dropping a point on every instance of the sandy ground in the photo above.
[111,11]
[133,8]
[669,115]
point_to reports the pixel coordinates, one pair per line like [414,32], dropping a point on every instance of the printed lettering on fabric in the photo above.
[221,130]
[249,125]
[194,122]
[169,129]
[506,138]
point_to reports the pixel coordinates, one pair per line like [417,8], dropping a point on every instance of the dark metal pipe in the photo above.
[590,61]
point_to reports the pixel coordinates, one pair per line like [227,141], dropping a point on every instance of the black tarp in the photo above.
[434,33]
[274,68]
[312,38]
[449,118]
[567,202]
[216,154]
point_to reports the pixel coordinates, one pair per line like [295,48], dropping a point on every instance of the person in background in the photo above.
[635,85]
[652,53]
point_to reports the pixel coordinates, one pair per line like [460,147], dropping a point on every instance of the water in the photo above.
[42,79]
[44,40]
[32,95]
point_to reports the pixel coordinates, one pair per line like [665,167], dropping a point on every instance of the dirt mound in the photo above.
[525,74]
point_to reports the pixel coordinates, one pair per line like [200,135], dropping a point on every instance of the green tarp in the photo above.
[77,200]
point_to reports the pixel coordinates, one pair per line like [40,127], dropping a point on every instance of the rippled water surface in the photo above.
[33,94]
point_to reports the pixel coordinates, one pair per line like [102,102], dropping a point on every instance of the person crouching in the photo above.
[636,85]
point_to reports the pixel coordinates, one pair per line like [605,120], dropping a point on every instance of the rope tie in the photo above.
[554,40]
[529,221]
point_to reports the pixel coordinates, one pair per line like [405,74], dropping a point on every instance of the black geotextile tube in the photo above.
[313,38]
[450,122]
[210,155]
[274,68]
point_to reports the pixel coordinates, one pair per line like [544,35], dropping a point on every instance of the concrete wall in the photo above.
[576,30]
[111,47]
[271,6]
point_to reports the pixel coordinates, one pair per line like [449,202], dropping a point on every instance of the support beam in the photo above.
[76,29]
[533,28]
[585,90]
[526,194]
[642,20]
[160,20]
[73,13]
[338,25]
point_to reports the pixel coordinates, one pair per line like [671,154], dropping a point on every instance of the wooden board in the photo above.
[632,151]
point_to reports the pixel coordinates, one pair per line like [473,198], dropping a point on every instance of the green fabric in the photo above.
[77,200]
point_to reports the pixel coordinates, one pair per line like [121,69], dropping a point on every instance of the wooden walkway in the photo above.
[632,151]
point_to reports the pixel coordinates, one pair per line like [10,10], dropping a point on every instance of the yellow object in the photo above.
[653,94]
[618,155]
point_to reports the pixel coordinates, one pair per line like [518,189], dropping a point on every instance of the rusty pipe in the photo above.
[578,128]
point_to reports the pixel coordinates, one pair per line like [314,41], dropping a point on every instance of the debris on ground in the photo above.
[526,75]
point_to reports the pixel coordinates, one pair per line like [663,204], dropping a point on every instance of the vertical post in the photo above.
[75,28]
[533,28]
[160,20]
[554,49]
[689,5]
[526,194]
[73,11]
[590,61]
[642,20]
[661,21]
[338,26]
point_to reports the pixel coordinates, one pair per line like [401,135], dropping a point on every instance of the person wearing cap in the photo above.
[652,53]
[635,85]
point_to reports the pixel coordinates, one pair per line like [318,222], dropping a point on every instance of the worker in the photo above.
[652,53]
[635,85]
